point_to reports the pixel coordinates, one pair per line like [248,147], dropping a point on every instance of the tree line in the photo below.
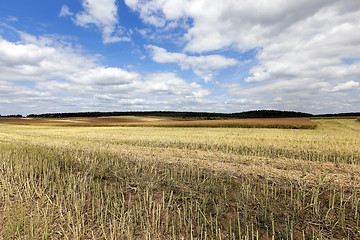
[200,115]
[204,115]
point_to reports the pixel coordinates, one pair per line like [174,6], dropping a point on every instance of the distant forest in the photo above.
[202,115]
[12,116]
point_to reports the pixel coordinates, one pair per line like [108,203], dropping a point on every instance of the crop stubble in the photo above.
[297,123]
[173,183]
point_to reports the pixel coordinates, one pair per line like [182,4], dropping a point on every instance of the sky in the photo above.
[179,55]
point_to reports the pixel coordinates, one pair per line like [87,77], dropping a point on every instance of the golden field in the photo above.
[165,122]
[152,182]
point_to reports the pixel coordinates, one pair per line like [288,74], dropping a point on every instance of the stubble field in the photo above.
[126,182]
[292,123]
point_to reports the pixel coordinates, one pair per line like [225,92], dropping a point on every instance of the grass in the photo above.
[180,183]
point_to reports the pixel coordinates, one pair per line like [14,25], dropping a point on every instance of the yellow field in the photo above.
[124,182]
[304,123]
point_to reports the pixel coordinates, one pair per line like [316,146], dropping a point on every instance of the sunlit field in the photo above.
[291,123]
[156,182]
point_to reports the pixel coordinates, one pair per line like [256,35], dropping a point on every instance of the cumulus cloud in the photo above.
[202,66]
[170,84]
[347,86]
[20,99]
[300,44]
[155,91]
[104,76]
[149,10]
[103,14]
[306,55]
[40,58]
[38,73]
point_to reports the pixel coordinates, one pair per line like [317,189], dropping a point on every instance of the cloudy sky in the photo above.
[182,55]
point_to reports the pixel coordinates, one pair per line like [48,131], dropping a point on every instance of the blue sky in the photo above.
[180,55]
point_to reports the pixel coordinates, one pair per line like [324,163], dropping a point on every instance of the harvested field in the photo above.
[166,122]
[147,118]
[116,182]
[83,121]
[247,123]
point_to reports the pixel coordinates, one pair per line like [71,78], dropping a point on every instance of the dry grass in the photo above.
[180,183]
[300,123]
[166,122]
[337,117]
[71,121]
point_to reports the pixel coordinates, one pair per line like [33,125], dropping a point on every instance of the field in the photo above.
[303,123]
[67,181]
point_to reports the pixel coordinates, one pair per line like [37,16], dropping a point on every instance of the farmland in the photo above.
[303,123]
[132,178]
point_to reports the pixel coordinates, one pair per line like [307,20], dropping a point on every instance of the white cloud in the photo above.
[103,14]
[40,58]
[300,47]
[258,73]
[244,101]
[19,99]
[148,11]
[202,66]
[131,102]
[41,74]
[104,76]
[347,86]
[65,11]
[170,84]
[300,44]
[157,90]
